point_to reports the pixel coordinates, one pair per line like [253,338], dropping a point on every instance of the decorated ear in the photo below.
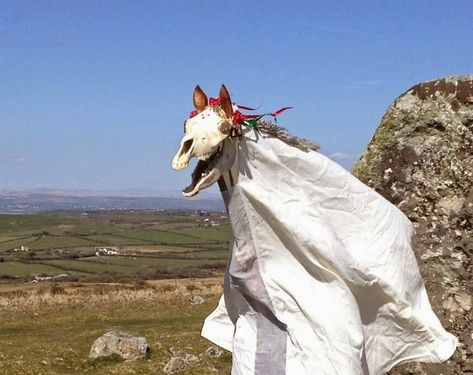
[200,99]
[226,102]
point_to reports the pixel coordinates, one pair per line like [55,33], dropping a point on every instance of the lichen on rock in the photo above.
[421,159]
[122,344]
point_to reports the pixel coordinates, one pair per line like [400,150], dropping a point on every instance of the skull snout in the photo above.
[184,154]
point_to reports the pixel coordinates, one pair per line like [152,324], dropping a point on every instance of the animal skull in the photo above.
[207,138]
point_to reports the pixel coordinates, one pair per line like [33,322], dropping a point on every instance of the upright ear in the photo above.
[200,99]
[226,102]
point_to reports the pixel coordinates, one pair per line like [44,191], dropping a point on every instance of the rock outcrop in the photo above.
[421,159]
[126,346]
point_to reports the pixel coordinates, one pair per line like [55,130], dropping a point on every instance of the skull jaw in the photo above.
[203,183]
[179,164]
[206,174]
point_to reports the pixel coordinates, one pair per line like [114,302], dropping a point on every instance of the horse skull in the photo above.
[206,138]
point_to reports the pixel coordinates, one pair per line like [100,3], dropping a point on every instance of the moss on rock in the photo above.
[421,159]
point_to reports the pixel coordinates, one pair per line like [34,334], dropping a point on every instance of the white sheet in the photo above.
[322,277]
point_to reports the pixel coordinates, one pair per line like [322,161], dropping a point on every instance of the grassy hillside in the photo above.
[49,328]
[47,325]
[149,244]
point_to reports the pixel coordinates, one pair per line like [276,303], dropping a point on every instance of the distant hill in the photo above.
[49,200]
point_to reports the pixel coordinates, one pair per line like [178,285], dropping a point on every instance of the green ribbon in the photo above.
[252,123]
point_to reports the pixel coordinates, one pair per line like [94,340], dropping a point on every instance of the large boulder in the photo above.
[123,344]
[421,159]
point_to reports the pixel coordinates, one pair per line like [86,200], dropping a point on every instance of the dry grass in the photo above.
[31,297]
[49,328]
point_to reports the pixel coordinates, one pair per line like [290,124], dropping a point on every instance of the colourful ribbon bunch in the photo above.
[244,119]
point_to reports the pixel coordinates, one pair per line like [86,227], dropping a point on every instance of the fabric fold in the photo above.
[321,266]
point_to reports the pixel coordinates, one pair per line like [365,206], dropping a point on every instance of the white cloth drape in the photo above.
[322,274]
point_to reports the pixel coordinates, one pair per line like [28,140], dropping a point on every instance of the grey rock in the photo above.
[196,300]
[123,344]
[191,358]
[464,300]
[176,364]
[213,352]
[421,159]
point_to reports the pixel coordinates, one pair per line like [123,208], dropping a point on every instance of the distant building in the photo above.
[22,248]
[210,223]
[105,251]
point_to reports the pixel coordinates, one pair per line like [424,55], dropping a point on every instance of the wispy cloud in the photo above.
[340,156]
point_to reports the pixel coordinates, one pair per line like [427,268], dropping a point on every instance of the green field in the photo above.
[24,269]
[147,242]
[161,260]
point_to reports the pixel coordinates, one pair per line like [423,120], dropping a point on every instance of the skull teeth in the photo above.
[209,155]
[180,165]
[205,156]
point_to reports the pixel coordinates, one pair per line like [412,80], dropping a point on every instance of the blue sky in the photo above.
[93,94]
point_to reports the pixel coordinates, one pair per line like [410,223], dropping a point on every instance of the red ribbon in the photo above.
[238,117]
[279,111]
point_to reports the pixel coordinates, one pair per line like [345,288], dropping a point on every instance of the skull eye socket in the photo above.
[185,122]
[224,127]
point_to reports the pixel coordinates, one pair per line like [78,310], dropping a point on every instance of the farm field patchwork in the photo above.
[143,244]
[66,278]
[20,269]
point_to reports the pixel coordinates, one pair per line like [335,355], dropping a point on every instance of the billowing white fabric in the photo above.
[322,277]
